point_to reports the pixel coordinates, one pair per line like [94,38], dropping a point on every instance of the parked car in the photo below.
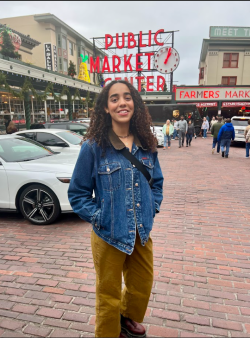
[83,120]
[64,141]
[159,135]
[79,128]
[34,179]
[240,123]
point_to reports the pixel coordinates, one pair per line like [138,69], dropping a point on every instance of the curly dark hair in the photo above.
[140,122]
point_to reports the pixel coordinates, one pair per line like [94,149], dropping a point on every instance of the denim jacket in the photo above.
[123,199]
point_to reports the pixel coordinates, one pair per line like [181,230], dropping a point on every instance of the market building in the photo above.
[55,37]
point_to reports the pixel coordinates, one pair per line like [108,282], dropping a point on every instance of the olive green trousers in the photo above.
[111,301]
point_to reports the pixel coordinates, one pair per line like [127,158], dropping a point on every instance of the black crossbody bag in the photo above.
[127,154]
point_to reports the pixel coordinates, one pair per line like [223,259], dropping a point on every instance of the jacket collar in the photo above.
[118,144]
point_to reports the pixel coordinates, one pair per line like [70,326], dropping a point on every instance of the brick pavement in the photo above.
[201,248]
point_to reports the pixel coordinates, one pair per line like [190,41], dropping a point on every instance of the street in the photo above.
[201,257]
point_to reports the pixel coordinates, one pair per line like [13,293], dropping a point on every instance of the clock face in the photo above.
[166,60]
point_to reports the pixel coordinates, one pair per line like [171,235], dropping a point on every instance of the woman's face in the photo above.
[120,104]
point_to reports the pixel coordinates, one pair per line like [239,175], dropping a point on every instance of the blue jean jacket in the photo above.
[123,198]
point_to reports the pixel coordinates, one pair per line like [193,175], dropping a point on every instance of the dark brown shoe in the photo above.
[133,328]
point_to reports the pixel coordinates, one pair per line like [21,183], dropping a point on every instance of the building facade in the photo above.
[225,57]
[60,43]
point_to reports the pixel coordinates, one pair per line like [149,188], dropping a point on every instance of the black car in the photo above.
[79,128]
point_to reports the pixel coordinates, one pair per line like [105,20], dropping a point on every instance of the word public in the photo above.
[118,64]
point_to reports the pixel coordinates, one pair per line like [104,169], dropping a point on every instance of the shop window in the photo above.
[230,60]
[70,48]
[64,43]
[65,65]
[59,42]
[229,80]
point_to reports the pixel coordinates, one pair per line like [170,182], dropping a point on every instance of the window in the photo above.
[59,41]
[70,137]
[70,48]
[64,43]
[79,51]
[202,73]
[229,80]
[230,60]
[57,126]
[80,130]
[65,65]
[48,139]
[60,64]
[27,135]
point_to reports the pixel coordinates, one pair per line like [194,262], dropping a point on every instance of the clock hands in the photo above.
[168,55]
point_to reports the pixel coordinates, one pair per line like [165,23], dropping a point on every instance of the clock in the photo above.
[166,60]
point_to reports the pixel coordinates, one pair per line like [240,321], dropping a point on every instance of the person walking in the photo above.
[204,127]
[10,126]
[182,130]
[215,131]
[226,134]
[190,133]
[123,170]
[168,130]
[175,130]
[247,137]
[213,121]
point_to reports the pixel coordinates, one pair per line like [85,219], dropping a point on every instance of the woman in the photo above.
[123,209]
[168,130]
[190,133]
[205,127]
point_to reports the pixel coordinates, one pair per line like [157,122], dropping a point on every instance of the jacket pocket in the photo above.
[148,163]
[110,175]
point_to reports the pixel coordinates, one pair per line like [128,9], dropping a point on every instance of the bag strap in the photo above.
[127,154]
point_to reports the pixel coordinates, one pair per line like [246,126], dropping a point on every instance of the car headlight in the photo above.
[64,179]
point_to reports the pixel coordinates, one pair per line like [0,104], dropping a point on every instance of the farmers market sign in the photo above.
[212,93]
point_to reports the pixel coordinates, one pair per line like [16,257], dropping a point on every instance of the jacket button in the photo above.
[141,225]
[136,184]
[138,204]
[133,165]
[108,169]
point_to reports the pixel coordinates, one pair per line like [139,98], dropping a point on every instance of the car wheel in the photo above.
[39,205]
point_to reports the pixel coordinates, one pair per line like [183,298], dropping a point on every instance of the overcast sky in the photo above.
[191,18]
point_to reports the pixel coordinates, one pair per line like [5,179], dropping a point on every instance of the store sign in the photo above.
[212,93]
[229,32]
[48,56]
[235,104]
[55,58]
[203,104]
[166,59]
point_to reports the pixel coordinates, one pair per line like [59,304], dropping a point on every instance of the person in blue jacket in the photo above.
[123,209]
[226,134]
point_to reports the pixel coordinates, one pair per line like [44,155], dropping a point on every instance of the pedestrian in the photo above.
[215,131]
[190,133]
[175,130]
[247,137]
[182,130]
[204,127]
[9,125]
[168,130]
[213,121]
[226,134]
[123,209]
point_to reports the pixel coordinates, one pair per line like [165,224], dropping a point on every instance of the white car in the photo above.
[240,123]
[34,179]
[158,134]
[64,141]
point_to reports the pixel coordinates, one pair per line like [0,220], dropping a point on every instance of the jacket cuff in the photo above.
[96,219]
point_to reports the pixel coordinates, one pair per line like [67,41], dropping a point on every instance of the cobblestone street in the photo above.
[201,251]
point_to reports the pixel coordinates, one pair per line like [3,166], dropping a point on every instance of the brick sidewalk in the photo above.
[201,248]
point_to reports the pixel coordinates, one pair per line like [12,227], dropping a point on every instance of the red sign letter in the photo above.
[95,64]
[149,84]
[139,78]
[141,44]
[160,84]
[137,63]
[127,62]
[149,38]
[131,80]
[131,38]
[118,64]
[149,59]
[155,38]
[117,41]
[108,44]
[106,80]
[105,66]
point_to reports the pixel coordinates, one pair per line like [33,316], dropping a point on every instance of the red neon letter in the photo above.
[95,64]
[131,38]
[117,78]
[105,66]
[106,80]
[131,80]
[211,94]
[108,44]
[116,66]
[149,84]
[149,59]
[155,38]
[181,92]
[127,62]
[141,44]
[160,84]
[137,63]
[149,39]
[217,93]
[117,41]
[139,78]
